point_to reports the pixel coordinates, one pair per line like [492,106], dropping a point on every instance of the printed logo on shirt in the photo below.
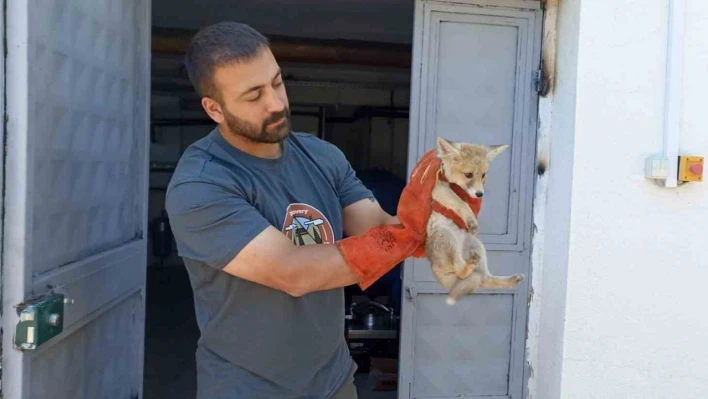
[306,225]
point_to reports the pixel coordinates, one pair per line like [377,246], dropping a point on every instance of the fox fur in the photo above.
[458,257]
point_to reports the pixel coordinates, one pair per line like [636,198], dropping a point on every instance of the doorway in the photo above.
[75,171]
[346,67]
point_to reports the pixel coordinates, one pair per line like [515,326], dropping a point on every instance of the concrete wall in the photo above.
[630,253]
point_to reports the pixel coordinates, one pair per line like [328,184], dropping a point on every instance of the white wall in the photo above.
[635,311]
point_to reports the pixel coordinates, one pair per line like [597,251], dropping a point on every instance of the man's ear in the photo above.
[445,147]
[495,150]
[213,109]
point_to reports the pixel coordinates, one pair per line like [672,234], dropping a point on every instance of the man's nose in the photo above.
[274,105]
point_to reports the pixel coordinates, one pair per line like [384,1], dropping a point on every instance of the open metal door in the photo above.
[473,80]
[74,199]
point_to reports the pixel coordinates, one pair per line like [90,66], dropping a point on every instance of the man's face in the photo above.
[253,101]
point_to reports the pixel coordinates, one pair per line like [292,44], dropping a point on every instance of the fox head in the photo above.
[466,164]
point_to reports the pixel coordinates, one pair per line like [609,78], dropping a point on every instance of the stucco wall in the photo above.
[635,311]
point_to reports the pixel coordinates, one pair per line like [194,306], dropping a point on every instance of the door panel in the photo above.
[457,348]
[490,73]
[97,361]
[474,65]
[76,194]
[85,157]
[480,62]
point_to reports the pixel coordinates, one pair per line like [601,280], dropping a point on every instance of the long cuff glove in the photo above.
[379,250]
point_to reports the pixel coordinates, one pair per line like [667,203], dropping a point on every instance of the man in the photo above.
[254,209]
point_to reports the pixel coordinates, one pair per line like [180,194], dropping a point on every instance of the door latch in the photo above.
[41,319]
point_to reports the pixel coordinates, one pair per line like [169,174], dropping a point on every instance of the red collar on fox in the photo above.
[475,204]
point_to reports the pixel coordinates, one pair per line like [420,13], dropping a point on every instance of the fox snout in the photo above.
[476,189]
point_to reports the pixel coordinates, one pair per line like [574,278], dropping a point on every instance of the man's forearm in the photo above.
[317,268]
[322,267]
[272,260]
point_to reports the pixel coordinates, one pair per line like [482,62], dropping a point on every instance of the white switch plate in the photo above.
[656,167]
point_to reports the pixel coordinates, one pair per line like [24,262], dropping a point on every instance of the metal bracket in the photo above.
[41,319]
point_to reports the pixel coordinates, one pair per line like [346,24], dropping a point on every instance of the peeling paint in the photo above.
[549,46]
[543,152]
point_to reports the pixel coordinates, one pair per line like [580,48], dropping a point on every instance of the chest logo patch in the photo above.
[306,225]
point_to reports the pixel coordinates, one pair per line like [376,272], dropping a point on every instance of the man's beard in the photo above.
[263,133]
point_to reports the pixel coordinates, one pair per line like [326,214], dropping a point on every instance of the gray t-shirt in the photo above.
[258,342]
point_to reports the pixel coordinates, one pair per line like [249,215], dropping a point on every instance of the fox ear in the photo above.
[445,147]
[495,150]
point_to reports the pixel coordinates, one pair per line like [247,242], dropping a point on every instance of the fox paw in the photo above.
[472,225]
[517,278]
[466,270]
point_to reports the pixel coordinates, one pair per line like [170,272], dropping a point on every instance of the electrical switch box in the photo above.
[690,169]
[656,167]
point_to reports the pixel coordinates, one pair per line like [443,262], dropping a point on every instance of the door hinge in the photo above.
[539,81]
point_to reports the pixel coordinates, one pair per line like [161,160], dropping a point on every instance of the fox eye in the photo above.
[469,175]
[484,175]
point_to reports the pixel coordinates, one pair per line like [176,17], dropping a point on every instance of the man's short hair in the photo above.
[217,45]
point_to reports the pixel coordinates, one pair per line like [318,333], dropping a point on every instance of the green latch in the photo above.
[40,320]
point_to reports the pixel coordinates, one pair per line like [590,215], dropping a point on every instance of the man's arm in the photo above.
[301,270]
[219,227]
[272,260]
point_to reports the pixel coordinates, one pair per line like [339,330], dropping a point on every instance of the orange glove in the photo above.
[380,249]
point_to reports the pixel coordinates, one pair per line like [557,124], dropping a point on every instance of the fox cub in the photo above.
[457,256]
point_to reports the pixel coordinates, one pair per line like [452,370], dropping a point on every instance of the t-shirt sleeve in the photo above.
[210,223]
[349,188]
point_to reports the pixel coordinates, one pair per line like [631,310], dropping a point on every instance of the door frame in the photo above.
[532,194]
[2,184]
[13,290]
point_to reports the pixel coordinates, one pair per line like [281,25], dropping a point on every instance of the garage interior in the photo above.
[347,70]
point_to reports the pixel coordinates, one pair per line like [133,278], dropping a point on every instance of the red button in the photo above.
[696,169]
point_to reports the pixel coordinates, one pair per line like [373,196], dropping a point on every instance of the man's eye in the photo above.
[469,175]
